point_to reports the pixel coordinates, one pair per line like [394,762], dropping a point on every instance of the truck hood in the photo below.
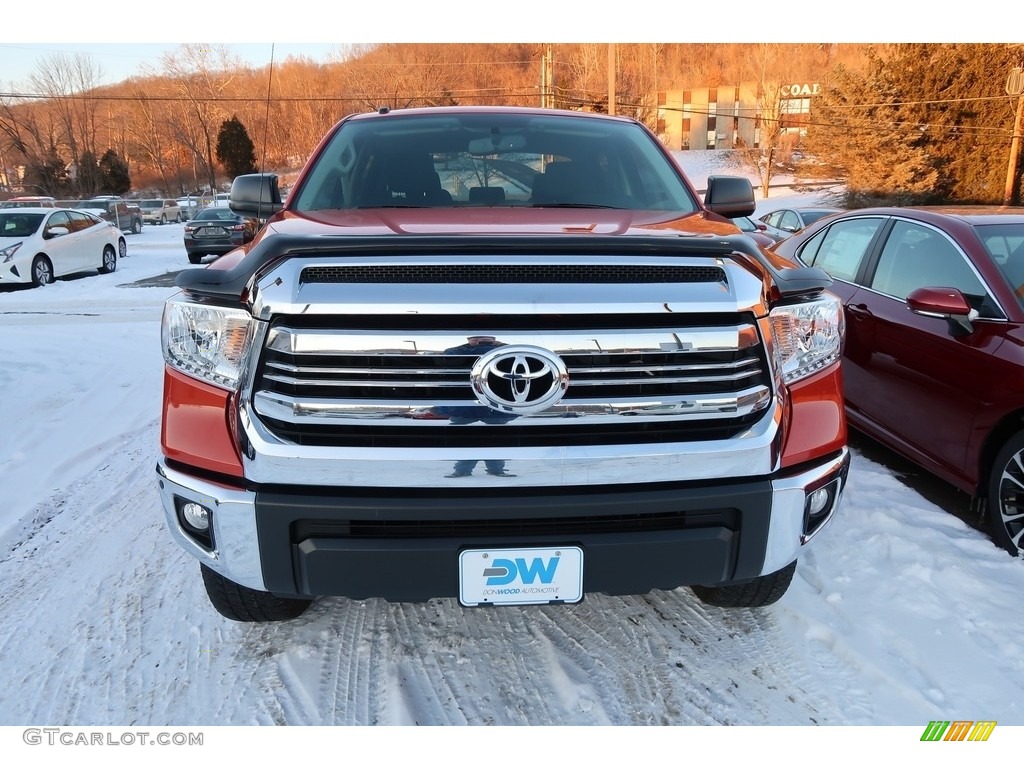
[497,221]
[521,231]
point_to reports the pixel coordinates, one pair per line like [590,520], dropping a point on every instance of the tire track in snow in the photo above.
[109,623]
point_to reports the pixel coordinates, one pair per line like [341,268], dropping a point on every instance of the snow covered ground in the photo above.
[899,615]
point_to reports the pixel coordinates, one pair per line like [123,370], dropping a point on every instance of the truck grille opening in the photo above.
[380,387]
[512,273]
[505,527]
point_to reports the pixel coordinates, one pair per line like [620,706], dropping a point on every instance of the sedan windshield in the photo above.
[19,224]
[1005,244]
[493,159]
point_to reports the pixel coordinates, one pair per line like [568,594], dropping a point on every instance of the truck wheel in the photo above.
[109,260]
[1006,496]
[764,590]
[238,603]
[136,227]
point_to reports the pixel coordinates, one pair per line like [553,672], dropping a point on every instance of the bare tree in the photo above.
[767,65]
[200,75]
[65,80]
[148,131]
[399,75]
[31,134]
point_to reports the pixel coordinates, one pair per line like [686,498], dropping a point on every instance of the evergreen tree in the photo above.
[113,174]
[921,123]
[88,174]
[235,150]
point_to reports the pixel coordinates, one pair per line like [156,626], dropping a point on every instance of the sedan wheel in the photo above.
[1006,496]
[42,271]
[122,248]
[109,260]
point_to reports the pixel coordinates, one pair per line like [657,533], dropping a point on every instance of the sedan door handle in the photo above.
[858,310]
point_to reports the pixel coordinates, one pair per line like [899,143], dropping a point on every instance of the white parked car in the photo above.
[38,245]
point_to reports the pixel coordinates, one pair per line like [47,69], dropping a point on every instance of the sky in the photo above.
[119,61]
[300,32]
[899,613]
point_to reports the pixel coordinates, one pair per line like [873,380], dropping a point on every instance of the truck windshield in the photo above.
[493,159]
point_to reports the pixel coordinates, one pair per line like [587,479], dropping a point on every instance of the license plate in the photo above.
[210,232]
[520,576]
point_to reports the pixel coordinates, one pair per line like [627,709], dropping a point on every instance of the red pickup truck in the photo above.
[502,355]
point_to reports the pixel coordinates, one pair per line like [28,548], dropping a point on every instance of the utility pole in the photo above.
[547,96]
[611,78]
[1014,87]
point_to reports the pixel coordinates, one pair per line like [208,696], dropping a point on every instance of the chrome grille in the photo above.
[367,387]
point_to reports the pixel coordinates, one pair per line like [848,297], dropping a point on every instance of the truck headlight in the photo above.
[205,341]
[807,336]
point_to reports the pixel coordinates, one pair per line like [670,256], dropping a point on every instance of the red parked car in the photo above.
[934,357]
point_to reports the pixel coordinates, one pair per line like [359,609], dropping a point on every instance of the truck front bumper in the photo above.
[404,544]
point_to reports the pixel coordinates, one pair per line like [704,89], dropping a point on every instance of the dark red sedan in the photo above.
[934,358]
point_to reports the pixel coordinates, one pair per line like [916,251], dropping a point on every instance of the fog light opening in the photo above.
[196,521]
[818,507]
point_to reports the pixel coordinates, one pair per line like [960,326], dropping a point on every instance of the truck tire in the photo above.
[238,603]
[756,593]
[136,226]
[1006,496]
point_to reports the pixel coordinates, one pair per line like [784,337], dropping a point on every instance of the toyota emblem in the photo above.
[520,379]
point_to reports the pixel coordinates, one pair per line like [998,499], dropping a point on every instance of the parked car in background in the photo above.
[37,245]
[160,211]
[28,202]
[125,216]
[216,231]
[763,235]
[188,206]
[792,220]
[934,357]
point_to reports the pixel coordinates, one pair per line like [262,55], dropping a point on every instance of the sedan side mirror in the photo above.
[55,232]
[946,303]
